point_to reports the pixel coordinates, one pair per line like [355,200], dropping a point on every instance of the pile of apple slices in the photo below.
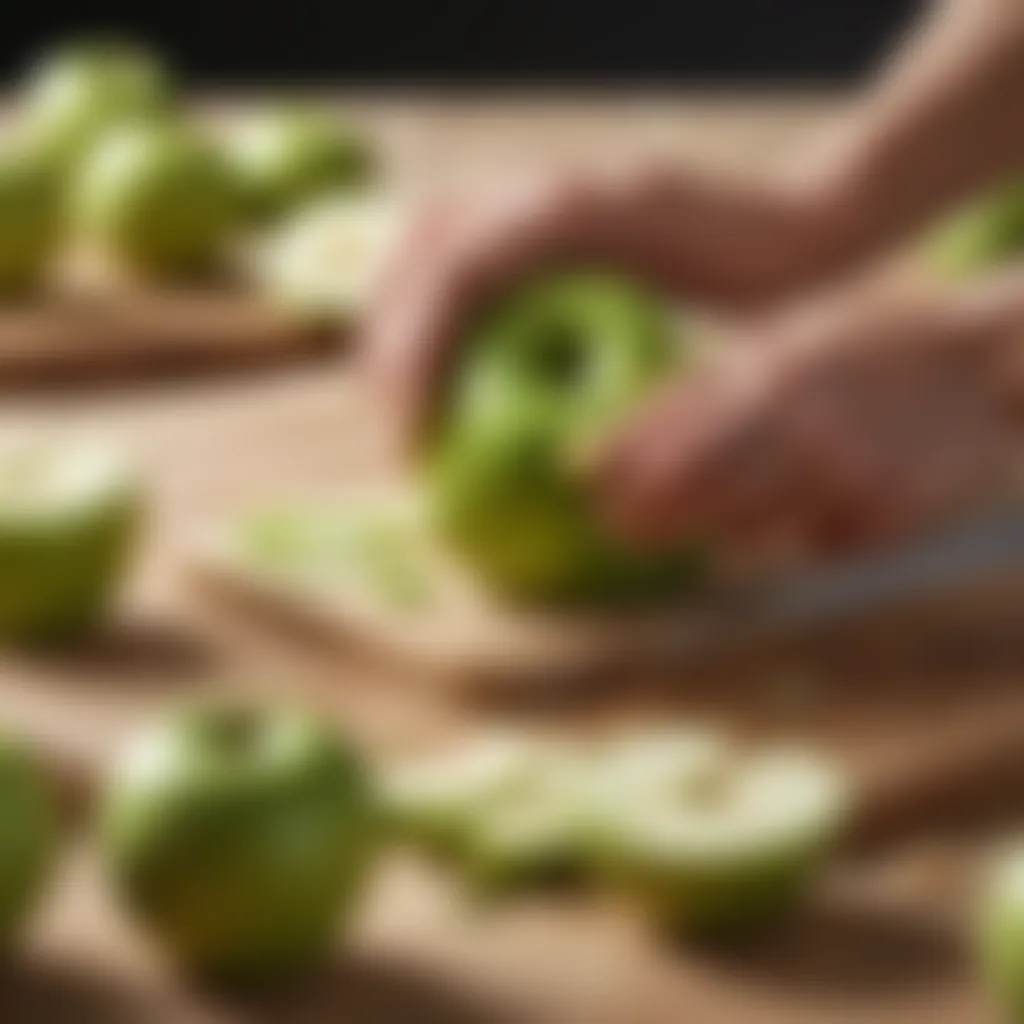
[710,838]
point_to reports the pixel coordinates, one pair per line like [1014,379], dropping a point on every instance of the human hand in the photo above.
[845,426]
[705,239]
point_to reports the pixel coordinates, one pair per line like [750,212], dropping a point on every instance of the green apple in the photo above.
[542,379]
[69,513]
[77,93]
[323,263]
[30,218]
[986,232]
[156,198]
[1000,931]
[715,842]
[28,835]
[291,155]
[240,837]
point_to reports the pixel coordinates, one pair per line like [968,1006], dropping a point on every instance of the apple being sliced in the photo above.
[547,374]
[69,512]
[987,232]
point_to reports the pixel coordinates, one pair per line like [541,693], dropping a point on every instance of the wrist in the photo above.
[834,227]
[722,238]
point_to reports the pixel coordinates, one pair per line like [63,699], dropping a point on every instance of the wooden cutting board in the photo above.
[397,591]
[73,338]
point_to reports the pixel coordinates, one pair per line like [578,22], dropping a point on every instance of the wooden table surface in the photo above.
[881,944]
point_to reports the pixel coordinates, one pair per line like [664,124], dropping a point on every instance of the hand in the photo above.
[846,426]
[703,239]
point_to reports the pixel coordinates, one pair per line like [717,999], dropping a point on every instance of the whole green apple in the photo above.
[289,156]
[157,199]
[986,232]
[69,513]
[543,378]
[1000,932]
[30,218]
[239,836]
[77,93]
[28,835]
[715,842]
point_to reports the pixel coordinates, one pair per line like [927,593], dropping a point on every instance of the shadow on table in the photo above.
[846,951]
[357,991]
[55,992]
[365,990]
[154,651]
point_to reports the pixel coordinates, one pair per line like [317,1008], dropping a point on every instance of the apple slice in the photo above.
[323,264]
[432,801]
[712,839]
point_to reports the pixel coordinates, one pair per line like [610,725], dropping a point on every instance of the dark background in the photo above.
[441,41]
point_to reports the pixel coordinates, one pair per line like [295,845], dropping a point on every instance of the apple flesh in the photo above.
[28,836]
[504,811]
[323,264]
[69,513]
[542,380]
[240,837]
[156,199]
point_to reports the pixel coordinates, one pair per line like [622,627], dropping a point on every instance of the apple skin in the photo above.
[541,381]
[291,155]
[30,222]
[157,199]
[61,561]
[988,232]
[718,903]
[1000,932]
[77,93]
[28,836]
[239,837]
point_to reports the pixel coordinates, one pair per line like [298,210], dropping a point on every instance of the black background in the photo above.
[492,41]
